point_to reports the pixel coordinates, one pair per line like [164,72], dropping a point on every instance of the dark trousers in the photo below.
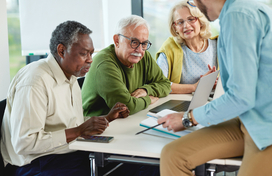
[74,164]
[70,164]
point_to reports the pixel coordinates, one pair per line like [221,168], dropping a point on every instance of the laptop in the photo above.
[200,97]
[218,90]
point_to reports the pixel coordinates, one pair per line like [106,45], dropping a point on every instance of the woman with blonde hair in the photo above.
[189,53]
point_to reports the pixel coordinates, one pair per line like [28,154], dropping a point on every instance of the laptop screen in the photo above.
[200,97]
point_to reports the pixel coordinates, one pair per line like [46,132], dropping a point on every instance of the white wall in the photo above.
[113,11]
[4,51]
[100,16]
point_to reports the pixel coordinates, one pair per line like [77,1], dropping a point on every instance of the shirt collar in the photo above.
[58,72]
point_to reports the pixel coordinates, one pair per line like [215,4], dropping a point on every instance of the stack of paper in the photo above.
[163,132]
[161,113]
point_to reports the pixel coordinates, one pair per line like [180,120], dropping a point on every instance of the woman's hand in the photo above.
[211,70]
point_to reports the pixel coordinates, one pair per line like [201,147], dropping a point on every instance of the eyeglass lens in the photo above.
[135,44]
[190,20]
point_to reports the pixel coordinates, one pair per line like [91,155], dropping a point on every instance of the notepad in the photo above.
[159,134]
[162,113]
[163,132]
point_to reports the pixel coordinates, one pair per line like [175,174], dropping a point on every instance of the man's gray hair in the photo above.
[66,33]
[132,20]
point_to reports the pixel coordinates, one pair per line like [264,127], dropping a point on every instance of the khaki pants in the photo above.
[227,139]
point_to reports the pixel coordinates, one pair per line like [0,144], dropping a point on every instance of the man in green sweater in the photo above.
[124,72]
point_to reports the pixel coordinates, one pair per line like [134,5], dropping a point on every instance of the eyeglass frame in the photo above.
[175,22]
[131,40]
[188,2]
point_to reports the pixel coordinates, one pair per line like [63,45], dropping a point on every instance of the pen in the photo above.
[149,128]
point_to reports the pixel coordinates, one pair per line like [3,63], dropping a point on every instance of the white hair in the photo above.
[132,20]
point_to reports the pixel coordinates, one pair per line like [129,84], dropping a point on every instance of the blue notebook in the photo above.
[152,120]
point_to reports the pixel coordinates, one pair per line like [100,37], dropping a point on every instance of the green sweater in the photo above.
[109,82]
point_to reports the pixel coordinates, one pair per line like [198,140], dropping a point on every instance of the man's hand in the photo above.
[153,99]
[172,122]
[119,110]
[139,93]
[95,125]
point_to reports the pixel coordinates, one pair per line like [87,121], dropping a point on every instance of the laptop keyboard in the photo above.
[182,106]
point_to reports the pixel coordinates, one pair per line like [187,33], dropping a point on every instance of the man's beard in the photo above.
[203,9]
[79,74]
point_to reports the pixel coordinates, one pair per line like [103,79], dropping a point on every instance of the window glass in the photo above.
[156,13]
[17,61]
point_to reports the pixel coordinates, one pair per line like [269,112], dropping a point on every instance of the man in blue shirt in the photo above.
[240,121]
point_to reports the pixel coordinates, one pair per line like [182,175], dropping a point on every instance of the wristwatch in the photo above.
[187,121]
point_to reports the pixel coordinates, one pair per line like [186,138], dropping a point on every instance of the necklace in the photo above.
[202,47]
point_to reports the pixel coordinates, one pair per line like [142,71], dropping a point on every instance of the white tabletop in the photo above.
[126,142]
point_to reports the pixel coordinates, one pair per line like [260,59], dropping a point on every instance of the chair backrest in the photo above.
[2,110]
[80,81]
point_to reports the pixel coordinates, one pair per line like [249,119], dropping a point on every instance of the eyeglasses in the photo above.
[191,3]
[190,20]
[135,43]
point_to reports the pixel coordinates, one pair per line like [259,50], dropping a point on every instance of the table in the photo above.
[145,147]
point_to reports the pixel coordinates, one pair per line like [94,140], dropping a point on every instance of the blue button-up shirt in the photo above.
[245,60]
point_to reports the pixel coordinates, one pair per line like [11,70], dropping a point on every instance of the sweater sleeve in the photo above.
[156,83]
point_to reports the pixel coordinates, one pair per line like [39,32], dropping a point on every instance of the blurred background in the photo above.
[154,11]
